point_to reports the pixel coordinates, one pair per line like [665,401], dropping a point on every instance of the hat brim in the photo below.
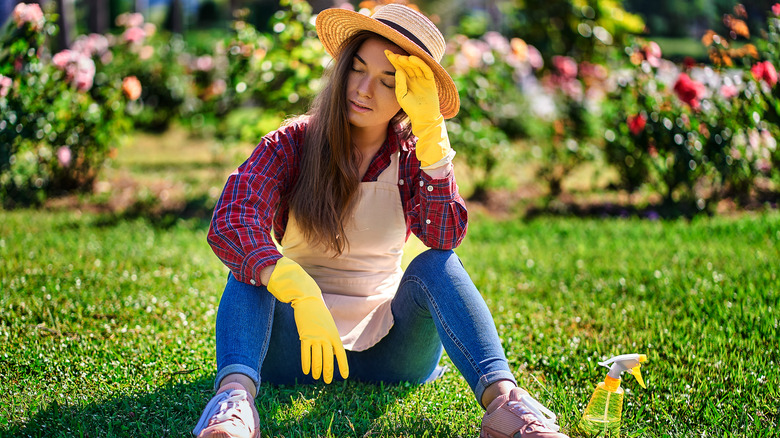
[336,25]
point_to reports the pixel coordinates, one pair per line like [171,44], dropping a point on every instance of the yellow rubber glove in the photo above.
[415,89]
[319,336]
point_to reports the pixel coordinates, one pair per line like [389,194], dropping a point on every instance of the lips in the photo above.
[359,106]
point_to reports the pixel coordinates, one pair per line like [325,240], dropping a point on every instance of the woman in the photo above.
[341,189]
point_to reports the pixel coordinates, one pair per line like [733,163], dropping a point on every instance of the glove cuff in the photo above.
[289,281]
[441,163]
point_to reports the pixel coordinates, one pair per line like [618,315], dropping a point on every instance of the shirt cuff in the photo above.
[437,190]
[254,262]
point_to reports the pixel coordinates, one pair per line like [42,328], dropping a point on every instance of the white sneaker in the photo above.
[229,414]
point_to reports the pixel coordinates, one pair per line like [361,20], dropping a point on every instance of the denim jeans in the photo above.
[437,305]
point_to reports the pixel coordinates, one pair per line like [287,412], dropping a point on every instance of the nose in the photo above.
[365,87]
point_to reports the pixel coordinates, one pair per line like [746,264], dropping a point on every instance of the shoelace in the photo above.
[220,408]
[529,405]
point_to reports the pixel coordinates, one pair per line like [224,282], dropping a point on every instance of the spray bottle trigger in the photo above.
[638,375]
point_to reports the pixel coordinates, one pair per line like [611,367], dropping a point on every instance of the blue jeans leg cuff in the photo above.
[237,369]
[489,379]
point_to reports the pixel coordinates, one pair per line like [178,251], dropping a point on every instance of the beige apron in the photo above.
[358,285]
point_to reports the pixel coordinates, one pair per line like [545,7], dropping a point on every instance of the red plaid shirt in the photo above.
[251,204]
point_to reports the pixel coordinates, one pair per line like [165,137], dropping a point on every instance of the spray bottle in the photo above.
[603,414]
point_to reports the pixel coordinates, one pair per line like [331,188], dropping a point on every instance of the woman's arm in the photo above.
[241,227]
[435,211]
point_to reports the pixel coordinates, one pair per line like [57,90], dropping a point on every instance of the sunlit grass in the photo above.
[107,328]
[106,320]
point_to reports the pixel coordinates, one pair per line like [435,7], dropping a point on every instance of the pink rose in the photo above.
[728,91]
[776,9]
[497,42]
[24,13]
[62,59]
[64,156]
[78,68]
[90,45]
[204,63]
[134,35]
[85,74]
[128,19]
[535,58]
[566,66]
[5,85]
[653,53]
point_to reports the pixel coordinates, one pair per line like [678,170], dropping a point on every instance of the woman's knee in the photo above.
[435,261]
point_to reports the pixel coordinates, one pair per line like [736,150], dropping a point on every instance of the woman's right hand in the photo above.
[416,92]
[320,339]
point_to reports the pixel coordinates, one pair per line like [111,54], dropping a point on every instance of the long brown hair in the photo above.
[323,198]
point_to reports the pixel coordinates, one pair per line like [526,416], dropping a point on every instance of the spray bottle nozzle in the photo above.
[625,362]
[602,416]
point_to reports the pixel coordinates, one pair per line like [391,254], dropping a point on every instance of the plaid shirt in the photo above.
[251,204]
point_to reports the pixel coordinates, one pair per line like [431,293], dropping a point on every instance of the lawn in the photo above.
[106,325]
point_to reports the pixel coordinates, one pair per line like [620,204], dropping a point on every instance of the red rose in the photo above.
[688,90]
[765,71]
[636,124]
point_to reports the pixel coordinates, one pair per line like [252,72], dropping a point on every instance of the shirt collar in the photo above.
[394,141]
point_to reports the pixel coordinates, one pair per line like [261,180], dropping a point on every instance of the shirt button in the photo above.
[253,281]
[427,221]
[430,188]
[422,183]
[400,182]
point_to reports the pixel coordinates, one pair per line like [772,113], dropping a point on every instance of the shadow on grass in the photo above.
[343,409]
[663,210]
[161,215]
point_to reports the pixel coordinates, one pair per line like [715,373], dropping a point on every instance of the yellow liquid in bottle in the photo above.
[603,414]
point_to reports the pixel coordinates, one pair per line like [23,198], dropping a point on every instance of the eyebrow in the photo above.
[389,73]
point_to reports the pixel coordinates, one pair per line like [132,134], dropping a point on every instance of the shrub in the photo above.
[695,134]
[488,73]
[278,71]
[158,60]
[58,119]
[566,134]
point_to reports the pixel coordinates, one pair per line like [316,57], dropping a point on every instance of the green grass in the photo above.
[678,48]
[106,328]
[106,319]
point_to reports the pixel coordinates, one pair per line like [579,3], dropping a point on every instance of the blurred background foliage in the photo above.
[678,101]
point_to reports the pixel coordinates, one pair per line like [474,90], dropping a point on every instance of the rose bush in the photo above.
[694,134]
[59,118]
[489,72]
[159,61]
[252,80]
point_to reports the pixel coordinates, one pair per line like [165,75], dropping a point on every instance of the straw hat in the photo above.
[409,29]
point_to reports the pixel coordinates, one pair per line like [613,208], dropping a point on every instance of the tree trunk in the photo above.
[98,16]
[141,6]
[176,16]
[66,9]
[234,6]
[6,9]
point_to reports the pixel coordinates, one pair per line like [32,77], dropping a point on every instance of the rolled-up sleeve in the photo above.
[240,229]
[436,213]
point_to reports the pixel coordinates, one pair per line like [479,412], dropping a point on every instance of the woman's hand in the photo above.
[320,339]
[415,89]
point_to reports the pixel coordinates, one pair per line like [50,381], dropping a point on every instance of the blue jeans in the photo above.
[436,303]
